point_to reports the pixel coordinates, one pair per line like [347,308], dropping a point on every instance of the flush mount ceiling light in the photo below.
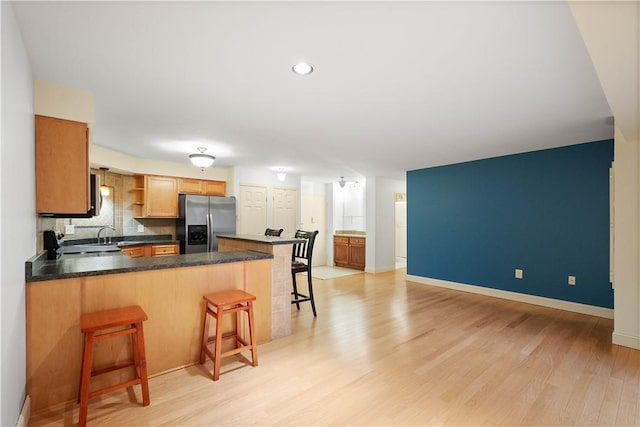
[302,68]
[201,160]
[342,182]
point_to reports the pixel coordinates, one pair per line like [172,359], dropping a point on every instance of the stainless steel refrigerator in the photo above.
[201,219]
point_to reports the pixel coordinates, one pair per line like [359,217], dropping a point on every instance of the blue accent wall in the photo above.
[546,212]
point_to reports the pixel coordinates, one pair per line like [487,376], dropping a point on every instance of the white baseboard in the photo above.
[592,310]
[626,340]
[25,413]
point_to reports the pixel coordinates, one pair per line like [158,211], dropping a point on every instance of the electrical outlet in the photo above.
[572,280]
[140,228]
[69,229]
[519,273]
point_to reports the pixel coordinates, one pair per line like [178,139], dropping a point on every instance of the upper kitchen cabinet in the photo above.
[62,166]
[189,186]
[200,186]
[215,188]
[155,196]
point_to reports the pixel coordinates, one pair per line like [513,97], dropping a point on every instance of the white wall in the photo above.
[381,223]
[63,102]
[611,34]
[349,212]
[17,212]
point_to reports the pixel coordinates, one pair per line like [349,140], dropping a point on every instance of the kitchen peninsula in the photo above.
[169,289]
[281,249]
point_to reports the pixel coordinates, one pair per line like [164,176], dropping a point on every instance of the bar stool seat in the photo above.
[217,305]
[128,318]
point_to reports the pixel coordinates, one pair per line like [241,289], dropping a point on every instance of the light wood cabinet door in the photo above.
[62,166]
[135,252]
[161,197]
[190,186]
[201,186]
[165,250]
[214,188]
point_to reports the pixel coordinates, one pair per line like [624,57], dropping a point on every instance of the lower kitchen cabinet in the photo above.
[164,250]
[135,252]
[349,252]
[152,250]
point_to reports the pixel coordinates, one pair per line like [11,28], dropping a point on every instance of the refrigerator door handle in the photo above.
[211,233]
[208,234]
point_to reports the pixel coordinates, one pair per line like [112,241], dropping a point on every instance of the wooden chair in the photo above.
[273,232]
[301,262]
[217,305]
[128,318]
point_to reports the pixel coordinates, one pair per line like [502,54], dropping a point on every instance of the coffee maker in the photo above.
[50,243]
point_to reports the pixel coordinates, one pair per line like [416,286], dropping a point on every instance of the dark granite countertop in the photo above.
[273,240]
[38,268]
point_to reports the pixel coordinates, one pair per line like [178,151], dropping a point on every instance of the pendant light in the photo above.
[342,182]
[104,189]
[201,160]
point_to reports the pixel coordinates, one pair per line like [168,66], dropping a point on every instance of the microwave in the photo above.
[95,199]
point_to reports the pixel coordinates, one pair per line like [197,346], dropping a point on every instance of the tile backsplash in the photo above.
[116,211]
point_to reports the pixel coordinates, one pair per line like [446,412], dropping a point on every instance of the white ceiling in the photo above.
[397,86]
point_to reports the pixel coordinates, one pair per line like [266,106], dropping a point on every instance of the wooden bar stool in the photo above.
[217,305]
[131,319]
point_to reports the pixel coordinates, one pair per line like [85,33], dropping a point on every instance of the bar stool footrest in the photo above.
[101,371]
[114,388]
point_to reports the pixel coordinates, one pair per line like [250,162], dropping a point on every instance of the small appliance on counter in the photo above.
[50,241]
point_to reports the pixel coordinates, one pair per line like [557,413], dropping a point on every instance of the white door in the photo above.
[253,209]
[283,214]
[313,217]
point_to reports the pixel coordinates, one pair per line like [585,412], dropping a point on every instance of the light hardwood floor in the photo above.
[384,351]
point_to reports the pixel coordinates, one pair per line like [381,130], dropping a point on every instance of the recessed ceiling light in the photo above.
[302,68]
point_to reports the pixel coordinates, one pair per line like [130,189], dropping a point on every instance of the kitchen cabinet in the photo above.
[341,251]
[189,186]
[135,252]
[155,196]
[152,250]
[201,186]
[165,250]
[62,166]
[215,188]
[349,252]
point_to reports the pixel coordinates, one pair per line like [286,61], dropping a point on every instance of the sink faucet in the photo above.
[100,231]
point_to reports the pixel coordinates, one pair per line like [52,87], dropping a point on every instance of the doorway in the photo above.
[284,210]
[253,209]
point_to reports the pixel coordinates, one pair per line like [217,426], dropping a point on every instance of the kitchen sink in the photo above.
[87,249]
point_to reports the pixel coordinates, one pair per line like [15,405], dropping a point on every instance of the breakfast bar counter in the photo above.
[39,268]
[281,249]
[170,291]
